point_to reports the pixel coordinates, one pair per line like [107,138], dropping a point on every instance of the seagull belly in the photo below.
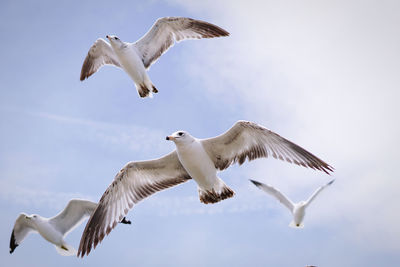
[298,214]
[48,232]
[198,164]
[132,64]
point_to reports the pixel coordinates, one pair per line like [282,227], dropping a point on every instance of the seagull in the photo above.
[297,209]
[199,159]
[56,228]
[136,58]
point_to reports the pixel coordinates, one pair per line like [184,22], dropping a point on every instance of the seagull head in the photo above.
[180,137]
[32,217]
[115,41]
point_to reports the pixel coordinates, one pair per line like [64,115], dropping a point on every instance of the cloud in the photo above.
[31,197]
[106,133]
[325,75]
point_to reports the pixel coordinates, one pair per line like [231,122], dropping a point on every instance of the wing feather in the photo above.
[99,54]
[249,141]
[314,195]
[275,193]
[73,214]
[166,31]
[136,181]
[22,228]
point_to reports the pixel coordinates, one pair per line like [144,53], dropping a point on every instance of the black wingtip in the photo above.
[255,182]
[13,244]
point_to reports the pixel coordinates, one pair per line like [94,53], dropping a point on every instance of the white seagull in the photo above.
[199,159]
[136,58]
[298,210]
[56,228]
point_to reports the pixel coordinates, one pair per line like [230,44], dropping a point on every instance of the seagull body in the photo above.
[136,58]
[298,210]
[53,229]
[197,163]
[199,159]
[131,62]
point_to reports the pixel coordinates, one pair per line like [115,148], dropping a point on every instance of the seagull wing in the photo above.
[22,228]
[247,140]
[99,54]
[166,31]
[73,214]
[313,196]
[276,193]
[136,181]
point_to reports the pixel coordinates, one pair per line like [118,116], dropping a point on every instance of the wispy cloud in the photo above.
[114,134]
[132,137]
[40,199]
[329,84]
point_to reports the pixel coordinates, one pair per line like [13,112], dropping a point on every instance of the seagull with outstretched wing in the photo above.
[298,210]
[136,58]
[56,228]
[199,159]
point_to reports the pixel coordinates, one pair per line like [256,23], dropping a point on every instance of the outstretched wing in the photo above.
[313,196]
[166,31]
[99,54]
[22,228]
[136,181]
[276,193]
[248,140]
[73,214]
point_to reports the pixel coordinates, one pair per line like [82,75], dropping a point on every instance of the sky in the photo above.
[323,74]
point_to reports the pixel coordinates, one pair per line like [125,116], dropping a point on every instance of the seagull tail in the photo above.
[216,194]
[146,90]
[66,250]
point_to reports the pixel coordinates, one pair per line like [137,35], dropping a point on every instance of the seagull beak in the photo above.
[170,138]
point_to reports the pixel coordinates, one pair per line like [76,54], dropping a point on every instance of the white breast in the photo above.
[48,232]
[198,164]
[298,213]
[132,63]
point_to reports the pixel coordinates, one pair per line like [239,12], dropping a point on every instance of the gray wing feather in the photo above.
[73,214]
[248,140]
[22,228]
[315,194]
[136,181]
[275,193]
[99,54]
[166,31]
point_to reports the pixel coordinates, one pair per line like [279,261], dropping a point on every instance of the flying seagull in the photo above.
[56,228]
[199,159]
[298,210]
[136,58]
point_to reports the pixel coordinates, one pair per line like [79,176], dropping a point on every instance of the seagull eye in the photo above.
[116,38]
[180,134]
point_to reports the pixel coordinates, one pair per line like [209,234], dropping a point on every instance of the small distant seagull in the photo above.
[297,209]
[199,159]
[56,228]
[136,58]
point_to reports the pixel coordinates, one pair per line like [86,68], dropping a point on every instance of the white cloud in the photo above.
[31,197]
[113,134]
[325,75]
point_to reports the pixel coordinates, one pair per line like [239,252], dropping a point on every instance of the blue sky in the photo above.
[323,74]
